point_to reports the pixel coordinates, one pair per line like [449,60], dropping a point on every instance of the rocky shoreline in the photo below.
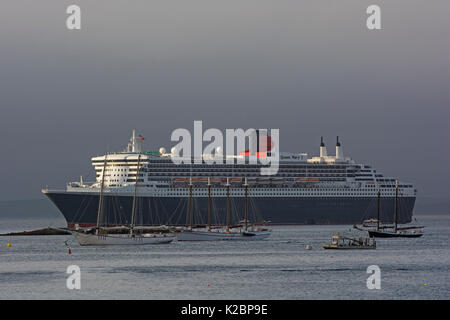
[39,232]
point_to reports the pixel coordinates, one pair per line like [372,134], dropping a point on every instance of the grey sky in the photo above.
[309,68]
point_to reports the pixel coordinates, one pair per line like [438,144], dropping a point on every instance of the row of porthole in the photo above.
[279,194]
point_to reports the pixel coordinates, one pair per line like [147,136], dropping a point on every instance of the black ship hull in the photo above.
[81,209]
[385,234]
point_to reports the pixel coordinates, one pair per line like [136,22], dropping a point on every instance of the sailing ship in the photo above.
[242,231]
[374,228]
[125,235]
[341,242]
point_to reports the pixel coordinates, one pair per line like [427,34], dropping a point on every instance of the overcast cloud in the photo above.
[309,68]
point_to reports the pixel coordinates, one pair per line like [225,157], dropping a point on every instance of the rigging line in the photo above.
[184,207]
[104,209]
[255,212]
[214,216]
[402,208]
[100,200]
[187,211]
[142,209]
[82,203]
[138,209]
[79,216]
[151,211]
[221,211]
[135,191]
[195,218]
[156,211]
[257,215]
[366,214]
[165,211]
[202,212]
[122,214]
[119,206]
[174,212]
[234,211]
[112,210]
[251,210]
[214,211]
[176,216]
[161,210]
[162,216]
[108,208]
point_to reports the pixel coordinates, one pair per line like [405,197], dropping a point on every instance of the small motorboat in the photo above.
[339,241]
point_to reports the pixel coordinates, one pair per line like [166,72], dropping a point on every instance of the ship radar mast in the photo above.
[135,144]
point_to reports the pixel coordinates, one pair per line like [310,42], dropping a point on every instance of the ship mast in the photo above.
[209,203]
[133,209]
[396,206]
[378,208]
[228,204]
[246,204]
[100,199]
[190,203]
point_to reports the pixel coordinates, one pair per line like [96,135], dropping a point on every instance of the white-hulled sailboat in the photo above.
[103,236]
[242,232]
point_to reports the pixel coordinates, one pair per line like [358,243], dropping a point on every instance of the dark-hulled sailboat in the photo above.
[394,231]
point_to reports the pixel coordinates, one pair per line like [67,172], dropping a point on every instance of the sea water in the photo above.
[280,267]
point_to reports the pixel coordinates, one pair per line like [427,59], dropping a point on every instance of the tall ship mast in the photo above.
[322,189]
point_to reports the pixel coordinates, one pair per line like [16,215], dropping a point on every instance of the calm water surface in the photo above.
[277,268]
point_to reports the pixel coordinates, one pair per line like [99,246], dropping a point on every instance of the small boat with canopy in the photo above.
[339,241]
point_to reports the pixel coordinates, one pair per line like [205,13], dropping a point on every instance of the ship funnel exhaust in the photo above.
[339,151]
[323,149]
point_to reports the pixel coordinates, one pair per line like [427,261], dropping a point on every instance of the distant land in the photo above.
[43,208]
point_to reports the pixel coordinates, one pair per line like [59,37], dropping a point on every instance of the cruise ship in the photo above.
[321,189]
